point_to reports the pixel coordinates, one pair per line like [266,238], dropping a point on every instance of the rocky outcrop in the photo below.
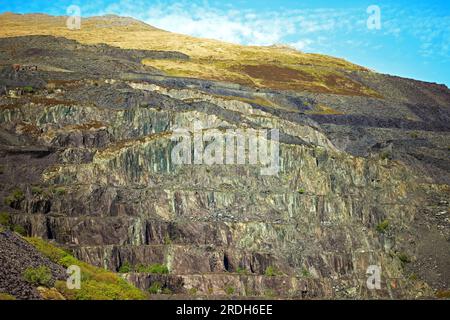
[108,189]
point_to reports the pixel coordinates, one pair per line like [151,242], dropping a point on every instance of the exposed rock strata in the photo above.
[92,157]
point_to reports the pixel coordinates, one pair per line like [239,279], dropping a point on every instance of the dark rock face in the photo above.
[16,255]
[64,59]
[91,156]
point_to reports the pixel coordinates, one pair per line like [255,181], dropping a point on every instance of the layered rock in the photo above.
[93,161]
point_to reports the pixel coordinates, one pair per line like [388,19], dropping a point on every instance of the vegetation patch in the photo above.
[5,296]
[154,269]
[5,219]
[59,191]
[6,222]
[40,276]
[403,257]
[443,294]
[125,268]
[306,273]
[383,226]
[269,72]
[385,155]
[96,283]
[167,240]
[155,288]
[36,190]
[413,277]
[192,291]
[50,293]
[15,197]
[229,290]
[28,89]
[19,229]
[272,272]
[166,291]
[269,293]
[242,271]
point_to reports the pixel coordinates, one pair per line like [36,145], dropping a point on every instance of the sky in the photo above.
[405,38]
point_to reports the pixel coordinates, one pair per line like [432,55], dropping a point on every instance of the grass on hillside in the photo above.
[279,75]
[324,110]
[96,283]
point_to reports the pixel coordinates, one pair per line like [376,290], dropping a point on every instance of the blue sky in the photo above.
[413,40]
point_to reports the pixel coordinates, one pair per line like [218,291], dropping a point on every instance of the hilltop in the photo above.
[267,67]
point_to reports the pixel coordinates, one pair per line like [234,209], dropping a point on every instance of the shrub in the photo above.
[269,293]
[382,226]
[28,89]
[125,268]
[193,291]
[16,196]
[19,229]
[166,291]
[306,273]
[413,277]
[155,288]
[241,270]
[67,261]
[38,276]
[2,169]
[385,155]
[60,191]
[403,257]
[167,240]
[36,190]
[301,191]
[229,290]
[159,269]
[271,272]
[142,268]
[5,219]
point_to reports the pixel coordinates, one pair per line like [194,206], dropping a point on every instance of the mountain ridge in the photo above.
[141,37]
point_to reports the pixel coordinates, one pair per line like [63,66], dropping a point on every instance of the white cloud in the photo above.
[230,26]
[244,27]
[322,30]
[302,44]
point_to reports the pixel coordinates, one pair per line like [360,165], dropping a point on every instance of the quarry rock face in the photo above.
[87,161]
